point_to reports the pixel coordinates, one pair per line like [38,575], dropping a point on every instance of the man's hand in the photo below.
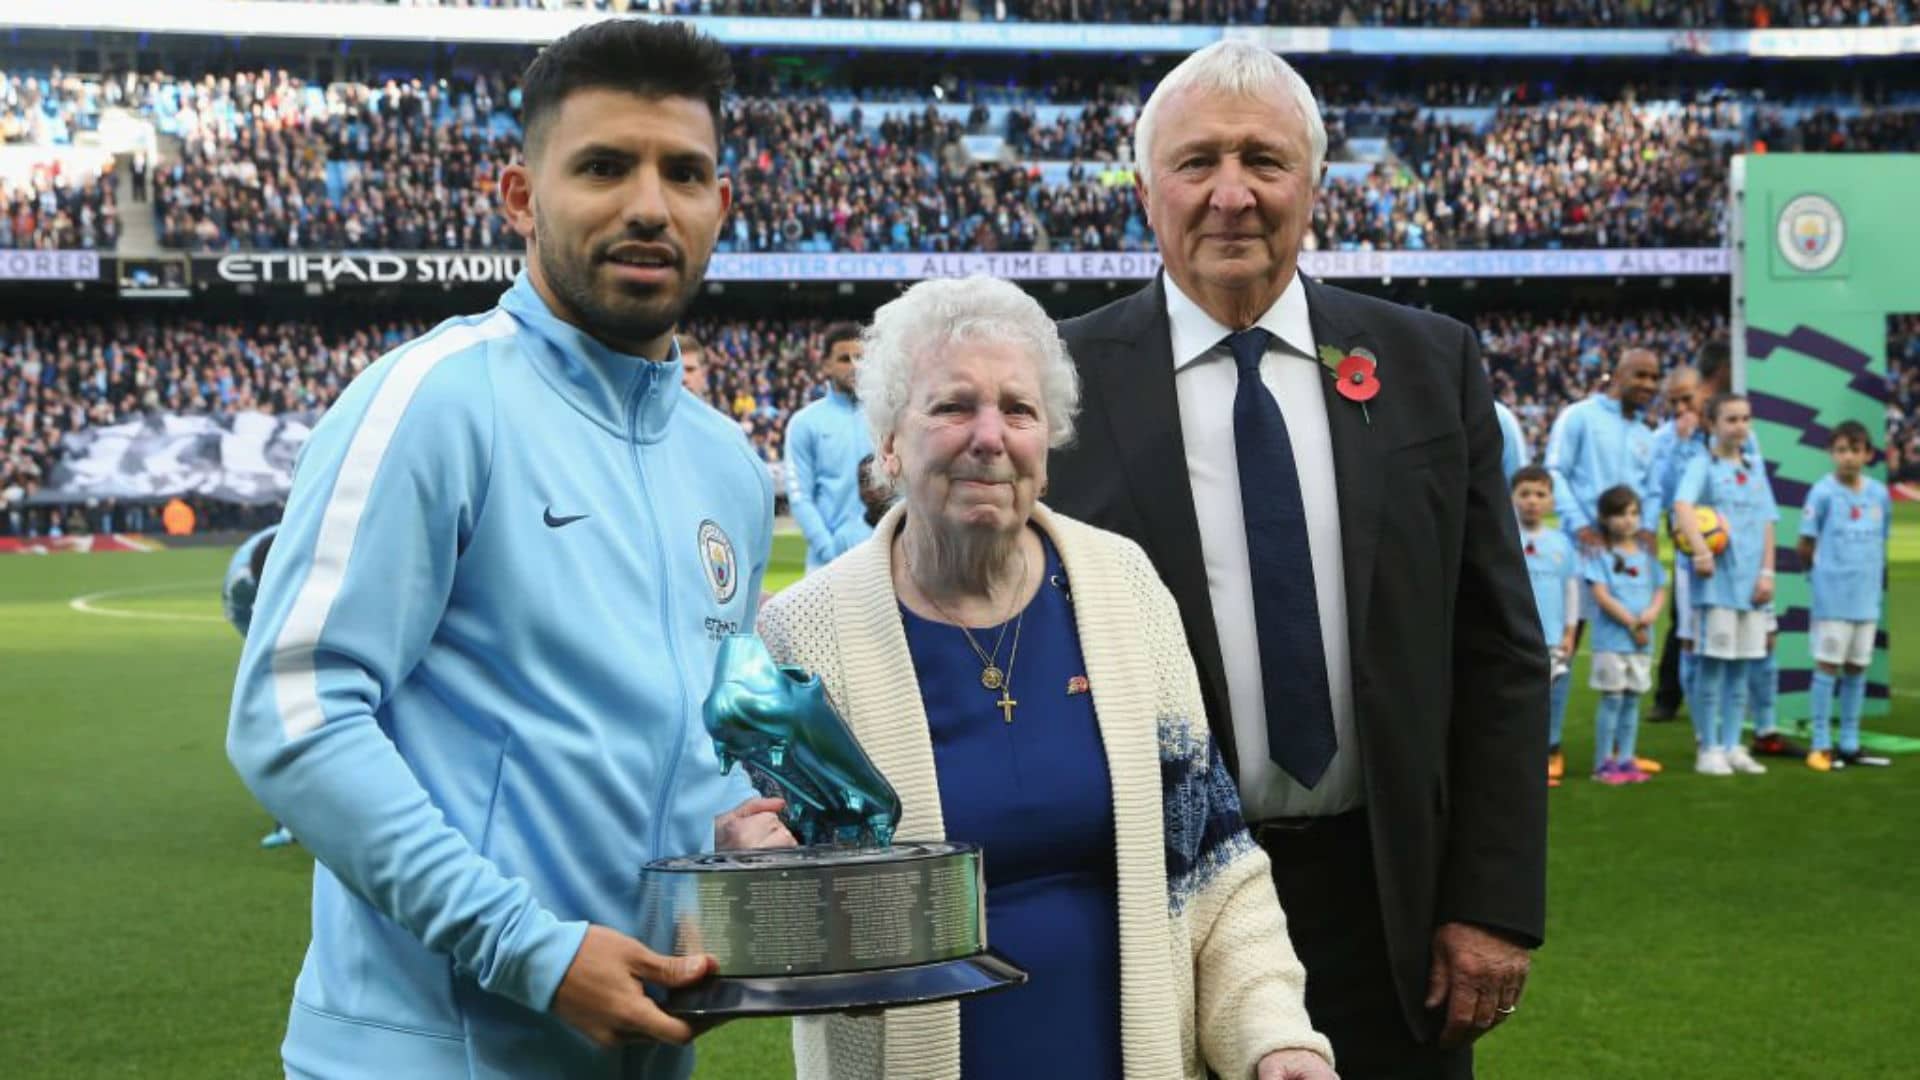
[1478,976]
[1641,636]
[1589,538]
[1763,590]
[1294,1065]
[601,995]
[1703,564]
[753,824]
[1685,423]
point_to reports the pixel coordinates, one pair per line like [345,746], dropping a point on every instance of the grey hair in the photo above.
[1231,67]
[944,311]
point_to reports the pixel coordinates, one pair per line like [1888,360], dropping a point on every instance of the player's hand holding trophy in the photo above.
[851,920]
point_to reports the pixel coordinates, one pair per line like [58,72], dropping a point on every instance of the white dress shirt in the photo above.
[1205,381]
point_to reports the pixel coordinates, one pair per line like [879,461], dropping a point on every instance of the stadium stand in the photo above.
[290,148]
[1486,13]
[60,375]
[270,162]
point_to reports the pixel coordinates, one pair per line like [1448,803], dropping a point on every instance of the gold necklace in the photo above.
[991,676]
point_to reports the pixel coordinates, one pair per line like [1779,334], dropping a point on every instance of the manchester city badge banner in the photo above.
[1824,249]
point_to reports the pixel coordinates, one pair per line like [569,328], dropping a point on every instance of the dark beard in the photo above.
[626,329]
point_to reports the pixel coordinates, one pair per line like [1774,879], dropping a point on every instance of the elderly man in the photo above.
[1317,477]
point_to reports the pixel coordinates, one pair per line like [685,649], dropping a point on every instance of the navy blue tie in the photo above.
[1293,666]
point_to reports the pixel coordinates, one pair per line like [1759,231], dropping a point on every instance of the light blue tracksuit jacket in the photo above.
[474,682]
[825,442]
[1592,447]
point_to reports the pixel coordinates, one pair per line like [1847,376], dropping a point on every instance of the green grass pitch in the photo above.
[1700,928]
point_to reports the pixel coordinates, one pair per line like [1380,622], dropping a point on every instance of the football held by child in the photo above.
[1732,590]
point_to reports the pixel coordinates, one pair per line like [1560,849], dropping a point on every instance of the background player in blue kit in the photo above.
[1843,537]
[1628,590]
[1554,569]
[1734,591]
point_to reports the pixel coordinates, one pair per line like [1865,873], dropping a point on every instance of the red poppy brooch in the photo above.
[1356,374]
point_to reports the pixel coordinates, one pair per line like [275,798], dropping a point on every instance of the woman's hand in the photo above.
[1763,588]
[753,824]
[1294,1065]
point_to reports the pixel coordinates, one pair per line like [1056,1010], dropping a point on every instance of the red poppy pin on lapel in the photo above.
[1856,513]
[1355,375]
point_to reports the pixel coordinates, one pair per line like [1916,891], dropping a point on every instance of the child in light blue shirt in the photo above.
[1843,537]
[1734,589]
[1554,570]
[1628,589]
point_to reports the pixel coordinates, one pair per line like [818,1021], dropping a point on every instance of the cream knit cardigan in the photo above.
[1208,977]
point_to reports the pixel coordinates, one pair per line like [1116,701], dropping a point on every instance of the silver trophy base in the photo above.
[825,929]
[853,991]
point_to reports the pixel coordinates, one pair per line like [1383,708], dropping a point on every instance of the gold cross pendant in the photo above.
[1006,703]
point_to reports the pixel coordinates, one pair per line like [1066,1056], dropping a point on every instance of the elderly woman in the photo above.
[1023,681]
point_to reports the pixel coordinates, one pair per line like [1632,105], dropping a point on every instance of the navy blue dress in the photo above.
[1035,795]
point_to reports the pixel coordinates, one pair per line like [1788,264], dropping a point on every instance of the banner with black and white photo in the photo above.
[245,458]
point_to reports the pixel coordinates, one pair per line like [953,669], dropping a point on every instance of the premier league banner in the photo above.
[1825,247]
[244,458]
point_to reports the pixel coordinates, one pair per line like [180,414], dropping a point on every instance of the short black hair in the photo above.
[1851,431]
[651,58]
[258,562]
[1530,474]
[1721,401]
[837,333]
[1712,359]
[1616,500]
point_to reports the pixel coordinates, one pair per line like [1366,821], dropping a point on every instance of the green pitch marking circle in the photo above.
[102,602]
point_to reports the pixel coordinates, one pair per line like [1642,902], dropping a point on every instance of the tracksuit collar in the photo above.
[628,395]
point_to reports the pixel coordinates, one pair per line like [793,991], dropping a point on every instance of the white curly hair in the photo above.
[944,311]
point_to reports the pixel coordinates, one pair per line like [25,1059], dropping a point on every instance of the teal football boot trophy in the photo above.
[851,920]
[776,721]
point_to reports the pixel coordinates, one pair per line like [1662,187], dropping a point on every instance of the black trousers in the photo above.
[1324,874]
[1668,696]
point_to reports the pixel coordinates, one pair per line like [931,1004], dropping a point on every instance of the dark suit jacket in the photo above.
[1449,666]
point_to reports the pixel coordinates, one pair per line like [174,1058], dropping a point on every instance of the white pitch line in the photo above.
[84,604]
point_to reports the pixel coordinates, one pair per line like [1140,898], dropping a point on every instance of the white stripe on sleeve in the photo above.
[295,687]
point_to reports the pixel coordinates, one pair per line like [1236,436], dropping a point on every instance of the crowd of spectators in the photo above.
[1683,14]
[57,376]
[1569,174]
[52,205]
[52,209]
[60,375]
[1903,398]
[270,162]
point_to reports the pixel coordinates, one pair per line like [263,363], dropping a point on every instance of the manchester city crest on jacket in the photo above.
[716,555]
